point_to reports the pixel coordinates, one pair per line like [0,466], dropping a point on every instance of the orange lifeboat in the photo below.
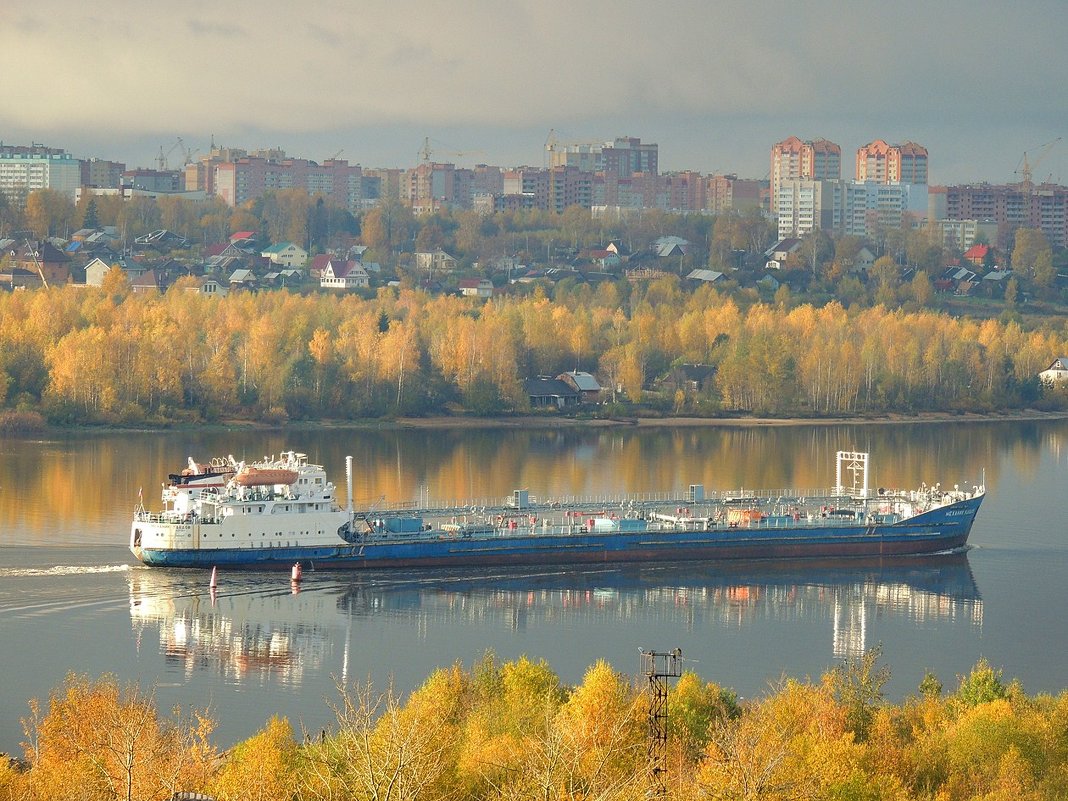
[265,476]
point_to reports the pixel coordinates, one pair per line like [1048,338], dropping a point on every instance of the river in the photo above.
[73,600]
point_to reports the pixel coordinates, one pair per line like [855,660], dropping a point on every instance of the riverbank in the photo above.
[545,421]
[535,421]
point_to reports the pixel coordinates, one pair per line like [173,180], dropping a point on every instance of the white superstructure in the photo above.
[282,502]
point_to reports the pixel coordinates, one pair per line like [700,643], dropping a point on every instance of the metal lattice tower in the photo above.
[658,667]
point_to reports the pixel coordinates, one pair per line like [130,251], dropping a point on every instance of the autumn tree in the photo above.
[603,725]
[885,274]
[50,212]
[858,686]
[792,744]
[382,749]
[387,227]
[921,289]
[98,735]
[1029,245]
[262,768]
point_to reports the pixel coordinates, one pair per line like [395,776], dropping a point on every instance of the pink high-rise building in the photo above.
[892,164]
[818,160]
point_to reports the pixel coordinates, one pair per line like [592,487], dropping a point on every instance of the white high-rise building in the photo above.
[846,207]
[25,169]
[819,160]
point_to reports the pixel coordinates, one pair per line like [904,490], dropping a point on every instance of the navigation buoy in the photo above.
[296,575]
[213,583]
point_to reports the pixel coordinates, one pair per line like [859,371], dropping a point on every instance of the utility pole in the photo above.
[658,667]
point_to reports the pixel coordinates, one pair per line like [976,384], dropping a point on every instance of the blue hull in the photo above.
[942,529]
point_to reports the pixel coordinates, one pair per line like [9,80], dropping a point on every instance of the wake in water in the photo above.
[61,570]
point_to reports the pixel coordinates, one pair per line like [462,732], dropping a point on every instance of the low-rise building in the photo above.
[344,275]
[286,254]
[1056,372]
[476,287]
[436,261]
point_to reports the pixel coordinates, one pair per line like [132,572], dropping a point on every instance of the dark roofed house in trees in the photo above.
[584,384]
[52,262]
[546,393]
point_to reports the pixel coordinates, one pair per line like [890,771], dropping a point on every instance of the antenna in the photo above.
[658,667]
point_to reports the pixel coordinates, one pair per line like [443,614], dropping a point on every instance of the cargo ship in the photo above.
[282,512]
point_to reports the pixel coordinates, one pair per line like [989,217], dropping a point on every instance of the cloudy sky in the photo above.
[714,82]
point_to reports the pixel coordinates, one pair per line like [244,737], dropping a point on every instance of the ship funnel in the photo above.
[348,484]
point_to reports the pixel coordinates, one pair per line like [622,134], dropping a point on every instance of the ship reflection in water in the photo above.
[254,630]
[259,629]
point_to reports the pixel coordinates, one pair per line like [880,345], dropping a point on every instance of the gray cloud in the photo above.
[691,73]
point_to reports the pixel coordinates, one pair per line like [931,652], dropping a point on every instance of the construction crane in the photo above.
[32,250]
[161,159]
[1025,172]
[426,151]
[550,146]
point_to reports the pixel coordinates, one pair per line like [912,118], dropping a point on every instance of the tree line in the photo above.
[514,730]
[104,355]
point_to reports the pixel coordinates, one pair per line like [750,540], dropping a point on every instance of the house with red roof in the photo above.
[476,287]
[977,254]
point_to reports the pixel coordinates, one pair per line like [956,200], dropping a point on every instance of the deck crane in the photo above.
[1027,170]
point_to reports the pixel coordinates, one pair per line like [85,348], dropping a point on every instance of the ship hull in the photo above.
[943,529]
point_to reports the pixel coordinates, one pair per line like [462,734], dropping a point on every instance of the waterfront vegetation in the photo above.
[826,340]
[103,355]
[514,731]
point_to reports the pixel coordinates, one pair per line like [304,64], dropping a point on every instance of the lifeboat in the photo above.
[265,476]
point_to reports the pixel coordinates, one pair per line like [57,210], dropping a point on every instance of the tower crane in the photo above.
[550,146]
[1026,171]
[161,159]
[426,151]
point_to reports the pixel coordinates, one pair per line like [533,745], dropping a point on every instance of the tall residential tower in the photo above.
[817,160]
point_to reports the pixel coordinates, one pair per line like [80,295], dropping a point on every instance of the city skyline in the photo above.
[714,86]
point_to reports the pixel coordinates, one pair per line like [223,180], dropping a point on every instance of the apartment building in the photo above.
[883,163]
[432,186]
[200,174]
[157,181]
[793,159]
[847,207]
[623,156]
[102,173]
[569,186]
[250,177]
[804,204]
[1012,206]
[24,169]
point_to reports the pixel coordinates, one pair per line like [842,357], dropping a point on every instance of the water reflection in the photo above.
[260,630]
[252,632]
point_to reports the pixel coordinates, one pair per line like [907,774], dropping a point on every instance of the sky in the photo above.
[715,83]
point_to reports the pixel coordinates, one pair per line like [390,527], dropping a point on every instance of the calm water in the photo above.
[71,598]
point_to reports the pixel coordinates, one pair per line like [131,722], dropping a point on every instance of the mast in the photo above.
[348,485]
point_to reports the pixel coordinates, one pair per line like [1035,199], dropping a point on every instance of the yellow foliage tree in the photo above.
[109,741]
[261,768]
